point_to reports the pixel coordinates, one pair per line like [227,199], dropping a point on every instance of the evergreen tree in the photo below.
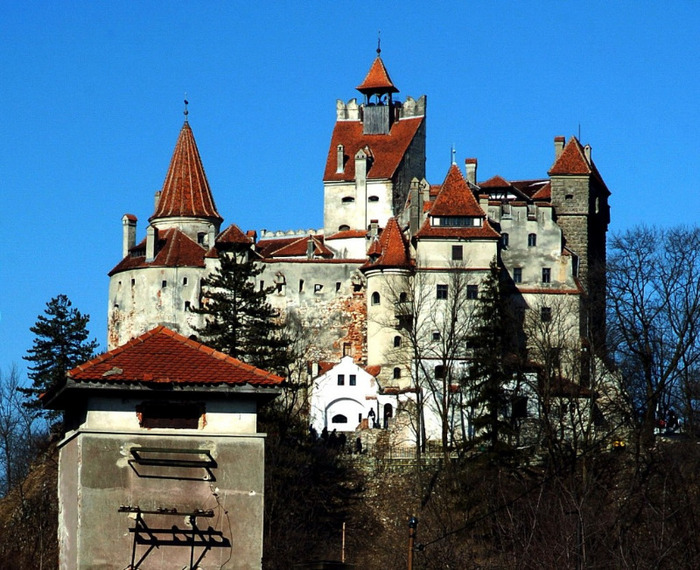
[61,343]
[238,319]
[493,341]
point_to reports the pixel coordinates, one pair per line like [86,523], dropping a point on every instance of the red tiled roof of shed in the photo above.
[163,356]
[186,191]
[387,150]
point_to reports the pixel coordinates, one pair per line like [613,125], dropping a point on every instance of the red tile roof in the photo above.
[495,182]
[233,234]
[456,198]
[572,160]
[483,232]
[186,190]
[173,249]
[292,247]
[391,250]
[162,356]
[387,150]
[347,234]
[377,80]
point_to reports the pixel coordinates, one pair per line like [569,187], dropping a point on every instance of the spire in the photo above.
[186,191]
[391,250]
[377,80]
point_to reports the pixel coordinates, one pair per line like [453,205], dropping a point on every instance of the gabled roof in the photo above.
[162,356]
[495,182]
[456,198]
[377,80]
[572,160]
[173,249]
[387,150]
[347,234]
[391,250]
[186,191]
[233,234]
[292,247]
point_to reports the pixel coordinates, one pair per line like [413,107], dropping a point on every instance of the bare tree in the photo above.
[654,315]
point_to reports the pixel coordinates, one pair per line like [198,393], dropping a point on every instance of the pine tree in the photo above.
[61,343]
[238,319]
[493,342]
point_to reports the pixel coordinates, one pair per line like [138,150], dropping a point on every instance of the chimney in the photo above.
[310,248]
[416,206]
[156,199]
[471,164]
[587,152]
[340,167]
[128,233]
[558,146]
[211,236]
[373,228]
[151,237]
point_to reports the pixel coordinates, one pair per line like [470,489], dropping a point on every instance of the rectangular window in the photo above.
[472,291]
[164,284]
[337,286]
[169,415]
[262,285]
[301,285]
[546,314]
[546,275]
[532,240]
[353,380]
[518,274]
[341,379]
[457,253]
[442,292]
[436,336]
[184,281]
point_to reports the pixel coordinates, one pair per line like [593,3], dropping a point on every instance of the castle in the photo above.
[398,261]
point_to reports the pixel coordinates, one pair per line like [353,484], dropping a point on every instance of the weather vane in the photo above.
[379,42]
[186,112]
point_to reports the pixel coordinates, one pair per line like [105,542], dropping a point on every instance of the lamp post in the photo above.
[412,524]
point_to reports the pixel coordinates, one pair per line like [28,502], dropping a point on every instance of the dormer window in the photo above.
[343,228]
[456,221]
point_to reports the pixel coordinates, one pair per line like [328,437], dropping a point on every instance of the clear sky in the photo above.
[91,96]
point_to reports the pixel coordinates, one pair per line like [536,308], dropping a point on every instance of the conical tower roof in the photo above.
[186,191]
[390,250]
[377,80]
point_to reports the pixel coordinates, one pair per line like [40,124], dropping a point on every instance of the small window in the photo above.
[187,305]
[262,285]
[472,291]
[201,236]
[504,239]
[339,419]
[397,342]
[341,379]
[133,282]
[301,285]
[439,371]
[373,199]
[403,297]
[397,373]
[532,240]
[343,228]
[184,281]
[353,380]
[457,253]
[176,415]
[441,292]
[348,200]
[347,349]
[337,286]
[164,284]
[318,288]
[546,275]
[376,298]
[518,274]
[436,336]
[546,314]
[569,197]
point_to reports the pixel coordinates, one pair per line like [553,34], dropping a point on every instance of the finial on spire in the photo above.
[379,42]
[454,152]
[186,112]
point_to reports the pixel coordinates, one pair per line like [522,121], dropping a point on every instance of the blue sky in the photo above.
[91,100]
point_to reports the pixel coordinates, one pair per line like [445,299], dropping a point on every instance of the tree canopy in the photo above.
[238,318]
[60,343]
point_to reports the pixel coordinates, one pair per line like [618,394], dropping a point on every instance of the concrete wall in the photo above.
[98,474]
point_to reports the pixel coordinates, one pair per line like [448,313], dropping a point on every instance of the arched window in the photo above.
[348,200]
[532,240]
[373,199]
[397,341]
[504,239]
[343,228]
[339,419]
[376,298]
[397,373]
